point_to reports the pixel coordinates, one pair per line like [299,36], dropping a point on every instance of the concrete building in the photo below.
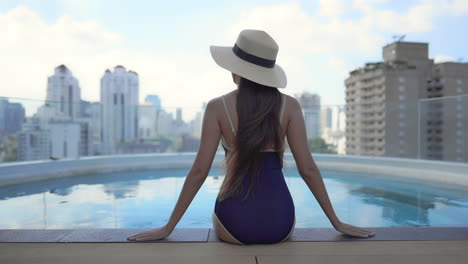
[147,120]
[155,100]
[383,102]
[310,104]
[65,137]
[119,99]
[63,93]
[12,117]
[333,120]
[95,116]
[33,141]
[444,114]
[165,123]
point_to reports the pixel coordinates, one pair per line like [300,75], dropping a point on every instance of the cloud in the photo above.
[31,48]
[315,52]
[443,58]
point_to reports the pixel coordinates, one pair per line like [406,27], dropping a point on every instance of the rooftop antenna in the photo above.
[398,38]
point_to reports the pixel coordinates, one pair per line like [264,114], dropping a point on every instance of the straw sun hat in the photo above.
[252,57]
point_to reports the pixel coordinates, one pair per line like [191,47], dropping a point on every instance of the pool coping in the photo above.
[119,235]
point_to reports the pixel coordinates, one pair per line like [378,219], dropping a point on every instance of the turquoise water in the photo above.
[145,199]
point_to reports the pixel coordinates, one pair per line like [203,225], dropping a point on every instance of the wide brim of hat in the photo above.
[225,58]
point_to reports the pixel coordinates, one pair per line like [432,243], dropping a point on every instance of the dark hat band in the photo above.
[252,58]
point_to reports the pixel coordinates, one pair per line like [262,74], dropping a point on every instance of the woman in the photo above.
[254,204]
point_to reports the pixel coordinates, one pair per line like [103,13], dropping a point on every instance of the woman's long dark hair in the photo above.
[258,109]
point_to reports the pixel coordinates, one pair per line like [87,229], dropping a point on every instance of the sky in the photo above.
[167,42]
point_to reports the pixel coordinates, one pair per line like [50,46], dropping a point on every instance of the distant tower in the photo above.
[63,93]
[179,116]
[155,100]
[119,99]
[310,104]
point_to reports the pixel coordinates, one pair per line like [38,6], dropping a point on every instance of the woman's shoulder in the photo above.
[290,100]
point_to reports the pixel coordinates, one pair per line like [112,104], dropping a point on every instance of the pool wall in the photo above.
[454,173]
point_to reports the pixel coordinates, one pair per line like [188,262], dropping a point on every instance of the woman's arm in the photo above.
[209,143]
[310,173]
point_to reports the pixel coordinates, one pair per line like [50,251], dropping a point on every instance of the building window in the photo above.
[402,115]
[401,79]
[402,124]
[459,81]
[402,97]
[401,88]
[459,90]
[402,106]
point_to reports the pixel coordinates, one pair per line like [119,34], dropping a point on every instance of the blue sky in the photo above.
[167,42]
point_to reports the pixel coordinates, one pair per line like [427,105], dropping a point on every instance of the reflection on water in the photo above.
[145,199]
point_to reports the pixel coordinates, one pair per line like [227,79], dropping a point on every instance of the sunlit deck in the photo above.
[306,245]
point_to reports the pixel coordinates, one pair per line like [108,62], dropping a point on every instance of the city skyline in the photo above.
[88,40]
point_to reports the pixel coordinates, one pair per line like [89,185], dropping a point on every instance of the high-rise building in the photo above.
[147,120]
[12,116]
[444,113]
[66,139]
[310,104]
[165,123]
[33,141]
[381,101]
[119,99]
[333,127]
[179,120]
[63,93]
[155,100]
[383,104]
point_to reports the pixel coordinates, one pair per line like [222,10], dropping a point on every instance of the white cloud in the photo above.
[333,8]
[443,58]
[313,52]
[31,48]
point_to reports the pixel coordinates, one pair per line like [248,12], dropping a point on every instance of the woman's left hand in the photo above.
[152,234]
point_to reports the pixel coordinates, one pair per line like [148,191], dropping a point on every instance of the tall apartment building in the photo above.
[34,142]
[383,103]
[310,104]
[444,113]
[12,116]
[63,93]
[119,99]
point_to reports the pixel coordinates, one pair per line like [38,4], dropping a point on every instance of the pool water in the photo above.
[145,199]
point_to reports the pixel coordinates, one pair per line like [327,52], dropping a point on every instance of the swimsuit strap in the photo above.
[229,117]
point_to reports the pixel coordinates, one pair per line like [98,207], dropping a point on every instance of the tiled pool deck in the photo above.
[315,245]
[208,235]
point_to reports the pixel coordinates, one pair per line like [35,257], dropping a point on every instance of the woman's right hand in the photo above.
[353,230]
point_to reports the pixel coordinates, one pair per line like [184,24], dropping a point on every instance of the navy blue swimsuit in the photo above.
[268,214]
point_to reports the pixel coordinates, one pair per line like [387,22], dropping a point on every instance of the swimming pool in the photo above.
[145,199]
